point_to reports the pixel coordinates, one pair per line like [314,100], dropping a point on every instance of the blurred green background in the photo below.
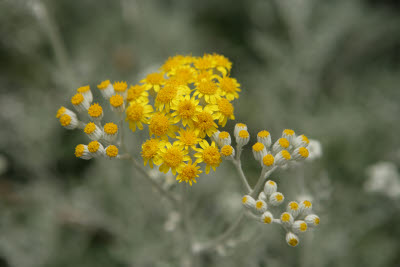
[328,69]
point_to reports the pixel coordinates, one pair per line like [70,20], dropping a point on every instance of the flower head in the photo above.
[172,157]
[209,154]
[150,151]
[154,81]
[189,173]
[138,113]
[162,126]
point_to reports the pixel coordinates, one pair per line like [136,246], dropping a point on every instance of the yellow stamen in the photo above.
[283,142]
[244,134]
[103,85]
[77,99]
[65,120]
[110,128]
[268,160]
[90,128]
[120,86]
[258,147]
[83,89]
[226,150]
[225,107]
[112,151]
[263,134]
[79,149]
[285,154]
[60,112]
[116,101]
[95,110]
[303,152]
[93,146]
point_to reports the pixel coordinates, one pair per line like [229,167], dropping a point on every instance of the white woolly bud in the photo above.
[312,220]
[294,208]
[267,217]
[270,187]
[261,206]
[292,239]
[287,219]
[299,226]
[262,196]
[305,207]
[264,137]
[249,202]
[276,199]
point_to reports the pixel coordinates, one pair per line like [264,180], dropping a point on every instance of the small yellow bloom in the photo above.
[189,173]
[175,62]
[154,81]
[137,93]
[208,90]
[150,151]
[209,154]
[138,113]
[204,121]
[172,157]
[204,63]
[162,126]
[229,87]
[186,109]
[224,112]
[188,138]
[165,96]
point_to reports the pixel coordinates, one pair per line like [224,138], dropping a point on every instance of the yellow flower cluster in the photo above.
[182,105]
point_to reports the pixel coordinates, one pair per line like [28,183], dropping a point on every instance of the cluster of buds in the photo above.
[104,138]
[295,220]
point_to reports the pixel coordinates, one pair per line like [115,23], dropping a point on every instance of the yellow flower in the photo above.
[187,138]
[186,109]
[204,121]
[154,80]
[137,93]
[224,112]
[172,157]
[138,113]
[204,63]
[222,63]
[208,90]
[189,173]
[161,126]
[209,154]
[229,87]
[150,151]
[173,63]
[184,73]
[165,96]
[204,75]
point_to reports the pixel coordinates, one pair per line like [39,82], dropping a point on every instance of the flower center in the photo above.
[90,128]
[294,206]
[93,146]
[258,147]
[116,101]
[149,148]
[188,173]
[188,138]
[166,94]
[283,142]
[303,152]
[103,84]
[263,134]
[65,120]
[110,128]
[288,132]
[285,217]
[112,151]
[134,112]
[225,107]
[211,155]
[303,227]
[243,134]
[207,87]
[120,86]
[155,78]
[173,157]
[83,89]
[77,99]
[228,85]
[159,124]
[79,150]
[95,110]
[205,121]
[278,197]
[259,204]
[223,135]
[226,150]
[285,154]
[268,160]
[186,109]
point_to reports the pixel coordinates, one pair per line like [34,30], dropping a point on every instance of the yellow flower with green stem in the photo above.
[209,154]
[172,157]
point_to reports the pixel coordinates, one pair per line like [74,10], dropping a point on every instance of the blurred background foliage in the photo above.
[328,69]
